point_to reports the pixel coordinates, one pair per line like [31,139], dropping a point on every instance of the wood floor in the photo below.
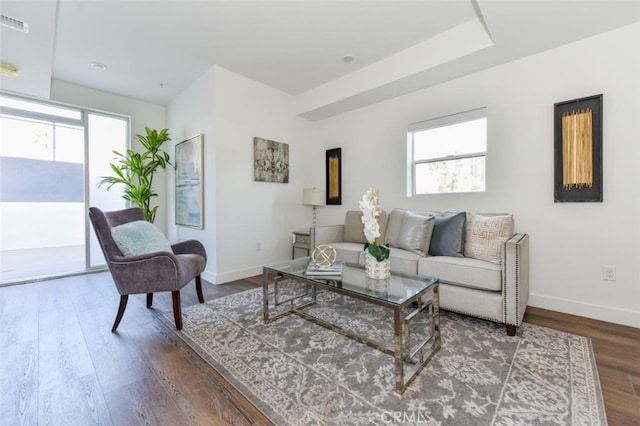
[61,365]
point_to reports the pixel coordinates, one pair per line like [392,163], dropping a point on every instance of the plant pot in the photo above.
[376,270]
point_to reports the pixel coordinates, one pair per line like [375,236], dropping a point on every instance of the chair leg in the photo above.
[121,308]
[177,314]
[199,289]
[511,330]
[149,299]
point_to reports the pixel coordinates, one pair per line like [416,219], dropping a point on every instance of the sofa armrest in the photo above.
[326,235]
[515,278]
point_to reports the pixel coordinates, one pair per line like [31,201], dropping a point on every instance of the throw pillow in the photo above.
[486,235]
[353,228]
[139,237]
[448,235]
[414,233]
[393,226]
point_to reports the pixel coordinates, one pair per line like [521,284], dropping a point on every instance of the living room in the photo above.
[249,224]
[230,110]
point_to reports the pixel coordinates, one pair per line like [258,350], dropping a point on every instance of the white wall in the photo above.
[189,114]
[140,113]
[230,110]
[570,242]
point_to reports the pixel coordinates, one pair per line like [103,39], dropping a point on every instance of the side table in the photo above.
[301,240]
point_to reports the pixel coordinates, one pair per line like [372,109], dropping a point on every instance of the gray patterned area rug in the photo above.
[298,373]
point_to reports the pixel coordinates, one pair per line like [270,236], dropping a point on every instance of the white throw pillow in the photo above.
[485,236]
[139,237]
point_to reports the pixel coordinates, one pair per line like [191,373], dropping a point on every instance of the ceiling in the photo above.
[154,49]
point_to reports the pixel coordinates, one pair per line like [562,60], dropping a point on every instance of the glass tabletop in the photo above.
[396,290]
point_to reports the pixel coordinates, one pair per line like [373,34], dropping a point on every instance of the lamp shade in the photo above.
[313,197]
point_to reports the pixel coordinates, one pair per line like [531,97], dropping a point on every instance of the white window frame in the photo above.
[444,121]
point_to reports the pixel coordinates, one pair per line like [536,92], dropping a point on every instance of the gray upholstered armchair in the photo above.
[151,272]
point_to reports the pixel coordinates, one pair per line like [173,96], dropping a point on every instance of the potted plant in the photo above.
[377,264]
[135,170]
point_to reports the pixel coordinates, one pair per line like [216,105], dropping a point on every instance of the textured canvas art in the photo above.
[270,161]
[189,204]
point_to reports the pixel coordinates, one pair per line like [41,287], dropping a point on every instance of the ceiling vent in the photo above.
[14,23]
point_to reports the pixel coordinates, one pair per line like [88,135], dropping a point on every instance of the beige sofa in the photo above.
[482,264]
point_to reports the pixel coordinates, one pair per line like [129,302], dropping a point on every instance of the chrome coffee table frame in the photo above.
[401,351]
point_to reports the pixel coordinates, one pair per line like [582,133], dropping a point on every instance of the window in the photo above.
[447,154]
[51,158]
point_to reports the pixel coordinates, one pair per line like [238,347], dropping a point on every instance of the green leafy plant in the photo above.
[380,251]
[135,170]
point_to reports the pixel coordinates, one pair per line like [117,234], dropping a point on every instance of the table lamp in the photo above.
[313,197]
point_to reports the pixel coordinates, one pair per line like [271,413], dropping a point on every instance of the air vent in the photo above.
[14,23]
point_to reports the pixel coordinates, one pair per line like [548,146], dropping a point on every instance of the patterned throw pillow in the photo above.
[485,236]
[139,237]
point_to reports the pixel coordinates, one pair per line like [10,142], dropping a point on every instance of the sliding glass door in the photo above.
[105,134]
[50,159]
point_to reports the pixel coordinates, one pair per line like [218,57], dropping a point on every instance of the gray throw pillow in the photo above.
[414,233]
[139,237]
[448,235]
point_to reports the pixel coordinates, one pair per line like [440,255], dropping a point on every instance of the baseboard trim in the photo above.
[232,276]
[239,274]
[208,276]
[599,312]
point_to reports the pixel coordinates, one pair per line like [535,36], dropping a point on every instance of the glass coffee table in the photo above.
[405,295]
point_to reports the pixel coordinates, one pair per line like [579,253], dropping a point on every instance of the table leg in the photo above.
[399,349]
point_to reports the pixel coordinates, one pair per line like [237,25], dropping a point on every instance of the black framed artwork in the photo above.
[578,150]
[334,176]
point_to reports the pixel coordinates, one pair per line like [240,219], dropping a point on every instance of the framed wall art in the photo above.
[189,182]
[334,176]
[578,150]
[270,161]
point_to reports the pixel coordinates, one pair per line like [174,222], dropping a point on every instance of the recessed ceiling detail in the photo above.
[14,23]
[98,65]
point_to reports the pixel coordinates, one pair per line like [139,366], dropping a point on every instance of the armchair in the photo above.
[151,272]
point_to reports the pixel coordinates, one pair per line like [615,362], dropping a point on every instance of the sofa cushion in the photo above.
[402,261]
[486,235]
[139,237]
[448,235]
[348,252]
[463,271]
[354,228]
[412,234]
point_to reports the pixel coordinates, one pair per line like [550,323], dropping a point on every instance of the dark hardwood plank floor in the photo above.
[61,365]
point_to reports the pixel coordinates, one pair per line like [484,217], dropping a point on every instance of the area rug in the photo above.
[298,373]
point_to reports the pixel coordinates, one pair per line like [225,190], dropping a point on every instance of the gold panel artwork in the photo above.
[577,149]
[334,176]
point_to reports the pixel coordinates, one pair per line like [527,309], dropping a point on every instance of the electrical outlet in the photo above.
[609,273]
[258,248]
